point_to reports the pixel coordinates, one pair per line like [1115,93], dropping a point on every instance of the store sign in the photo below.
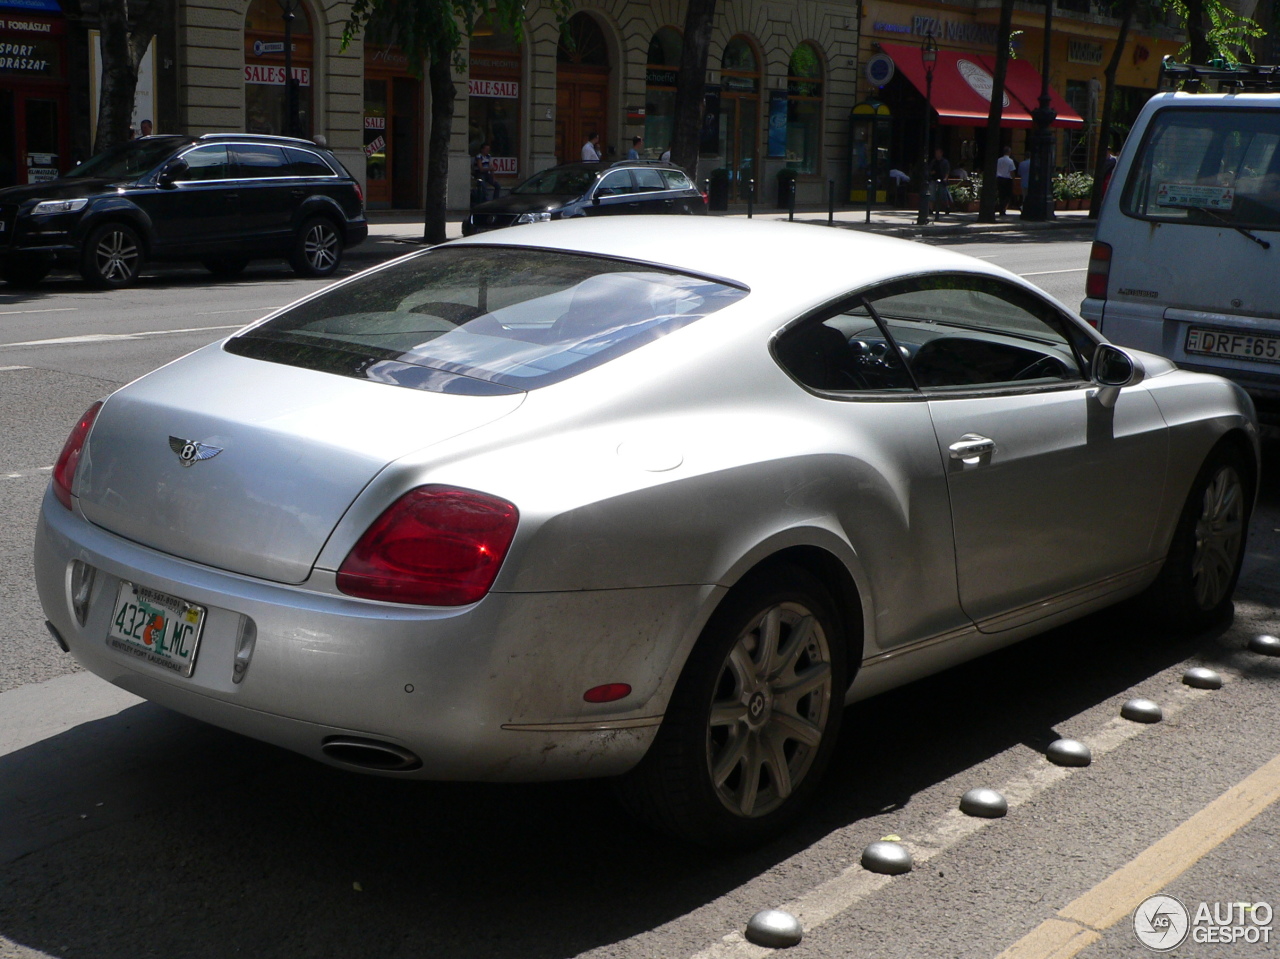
[375,123]
[506,89]
[35,6]
[31,26]
[506,166]
[274,76]
[42,167]
[661,78]
[980,81]
[1084,51]
[262,46]
[24,58]
[377,146]
[739,84]
[880,69]
[955,31]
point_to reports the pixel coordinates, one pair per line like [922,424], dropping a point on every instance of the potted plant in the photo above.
[966,195]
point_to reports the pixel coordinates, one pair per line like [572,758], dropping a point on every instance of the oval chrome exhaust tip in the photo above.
[369,754]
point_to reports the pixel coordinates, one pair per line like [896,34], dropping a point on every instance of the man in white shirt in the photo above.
[1005,169]
[591,149]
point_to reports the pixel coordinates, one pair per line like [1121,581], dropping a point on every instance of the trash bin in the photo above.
[718,190]
[786,183]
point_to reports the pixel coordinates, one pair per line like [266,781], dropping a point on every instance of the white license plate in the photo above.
[1245,346]
[156,627]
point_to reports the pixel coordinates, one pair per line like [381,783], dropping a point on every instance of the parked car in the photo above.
[1185,258]
[609,499]
[590,189]
[223,199]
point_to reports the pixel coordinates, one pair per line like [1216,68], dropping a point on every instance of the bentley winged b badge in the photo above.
[189,451]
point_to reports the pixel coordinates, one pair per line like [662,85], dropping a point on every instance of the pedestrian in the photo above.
[146,128]
[636,144]
[1005,169]
[482,171]
[939,173]
[591,149]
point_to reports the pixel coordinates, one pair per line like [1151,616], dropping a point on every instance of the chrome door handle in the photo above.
[970,447]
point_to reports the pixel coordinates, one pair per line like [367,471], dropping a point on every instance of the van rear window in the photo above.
[1209,167]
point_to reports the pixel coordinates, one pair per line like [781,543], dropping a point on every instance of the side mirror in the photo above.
[1113,370]
[173,170]
[595,200]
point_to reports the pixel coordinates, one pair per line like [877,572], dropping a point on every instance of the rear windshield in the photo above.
[559,181]
[1209,167]
[484,320]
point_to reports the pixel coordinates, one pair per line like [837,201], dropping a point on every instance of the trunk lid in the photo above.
[295,447]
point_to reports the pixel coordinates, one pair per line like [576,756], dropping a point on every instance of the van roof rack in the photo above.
[1241,76]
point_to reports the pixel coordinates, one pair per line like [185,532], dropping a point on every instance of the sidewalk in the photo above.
[396,232]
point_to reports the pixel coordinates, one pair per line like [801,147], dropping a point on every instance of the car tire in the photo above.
[24,272]
[1195,585]
[226,266]
[745,738]
[112,256]
[317,249]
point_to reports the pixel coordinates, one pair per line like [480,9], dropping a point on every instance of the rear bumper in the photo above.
[487,692]
[357,232]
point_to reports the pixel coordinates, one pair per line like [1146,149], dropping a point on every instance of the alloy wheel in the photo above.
[1218,533]
[321,248]
[116,257]
[769,710]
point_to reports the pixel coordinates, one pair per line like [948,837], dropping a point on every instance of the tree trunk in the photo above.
[691,85]
[1108,99]
[440,78]
[123,47]
[989,198]
[1197,39]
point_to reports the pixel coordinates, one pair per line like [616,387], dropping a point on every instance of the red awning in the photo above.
[1023,81]
[962,88]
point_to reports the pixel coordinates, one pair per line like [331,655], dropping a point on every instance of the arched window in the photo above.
[804,110]
[660,90]
[582,43]
[740,114]
[265,91]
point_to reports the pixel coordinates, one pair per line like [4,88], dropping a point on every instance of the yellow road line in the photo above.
[1079,923]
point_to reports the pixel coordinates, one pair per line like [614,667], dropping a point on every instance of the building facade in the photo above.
[783,79]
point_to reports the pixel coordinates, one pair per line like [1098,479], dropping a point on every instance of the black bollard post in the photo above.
[831,203]
[791,201]
[751,197]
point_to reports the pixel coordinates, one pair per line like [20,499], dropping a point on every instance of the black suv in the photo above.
[222,198]
[589,189]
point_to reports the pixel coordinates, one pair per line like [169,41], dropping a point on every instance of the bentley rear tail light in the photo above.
[434,546]
[64,470]
[1095,284]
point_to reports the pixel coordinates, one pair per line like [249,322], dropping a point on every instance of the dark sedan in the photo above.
[223,199]
[590,189]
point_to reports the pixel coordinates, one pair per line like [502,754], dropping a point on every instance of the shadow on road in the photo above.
[150,834]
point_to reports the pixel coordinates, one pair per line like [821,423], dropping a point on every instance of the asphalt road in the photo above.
[141,833]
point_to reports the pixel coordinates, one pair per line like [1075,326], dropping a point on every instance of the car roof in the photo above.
[259,138]
[797,261]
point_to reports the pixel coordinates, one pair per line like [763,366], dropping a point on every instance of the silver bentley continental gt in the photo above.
[633,500]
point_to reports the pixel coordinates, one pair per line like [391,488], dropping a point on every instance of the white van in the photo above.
[1186,259]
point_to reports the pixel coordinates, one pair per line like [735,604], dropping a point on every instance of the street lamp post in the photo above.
[287,8]
[1038,203]
[928,57]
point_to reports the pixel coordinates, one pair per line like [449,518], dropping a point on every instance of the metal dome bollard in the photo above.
[1198,677]
[887,858]
[774,928]
[984,803]
[1265,645]
[1068,752]
[1141,711]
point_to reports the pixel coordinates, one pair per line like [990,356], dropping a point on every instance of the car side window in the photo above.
[206,163]
[616,183]
[959,332]
[305,163]
[676,180]
[649,181]
[846,351]
[258,160]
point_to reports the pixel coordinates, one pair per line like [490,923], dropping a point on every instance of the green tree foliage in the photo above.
[1215,30]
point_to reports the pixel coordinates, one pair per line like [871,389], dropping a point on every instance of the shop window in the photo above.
[660,90]
[804,110]
[494,102]
[582,43]
[266,93]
